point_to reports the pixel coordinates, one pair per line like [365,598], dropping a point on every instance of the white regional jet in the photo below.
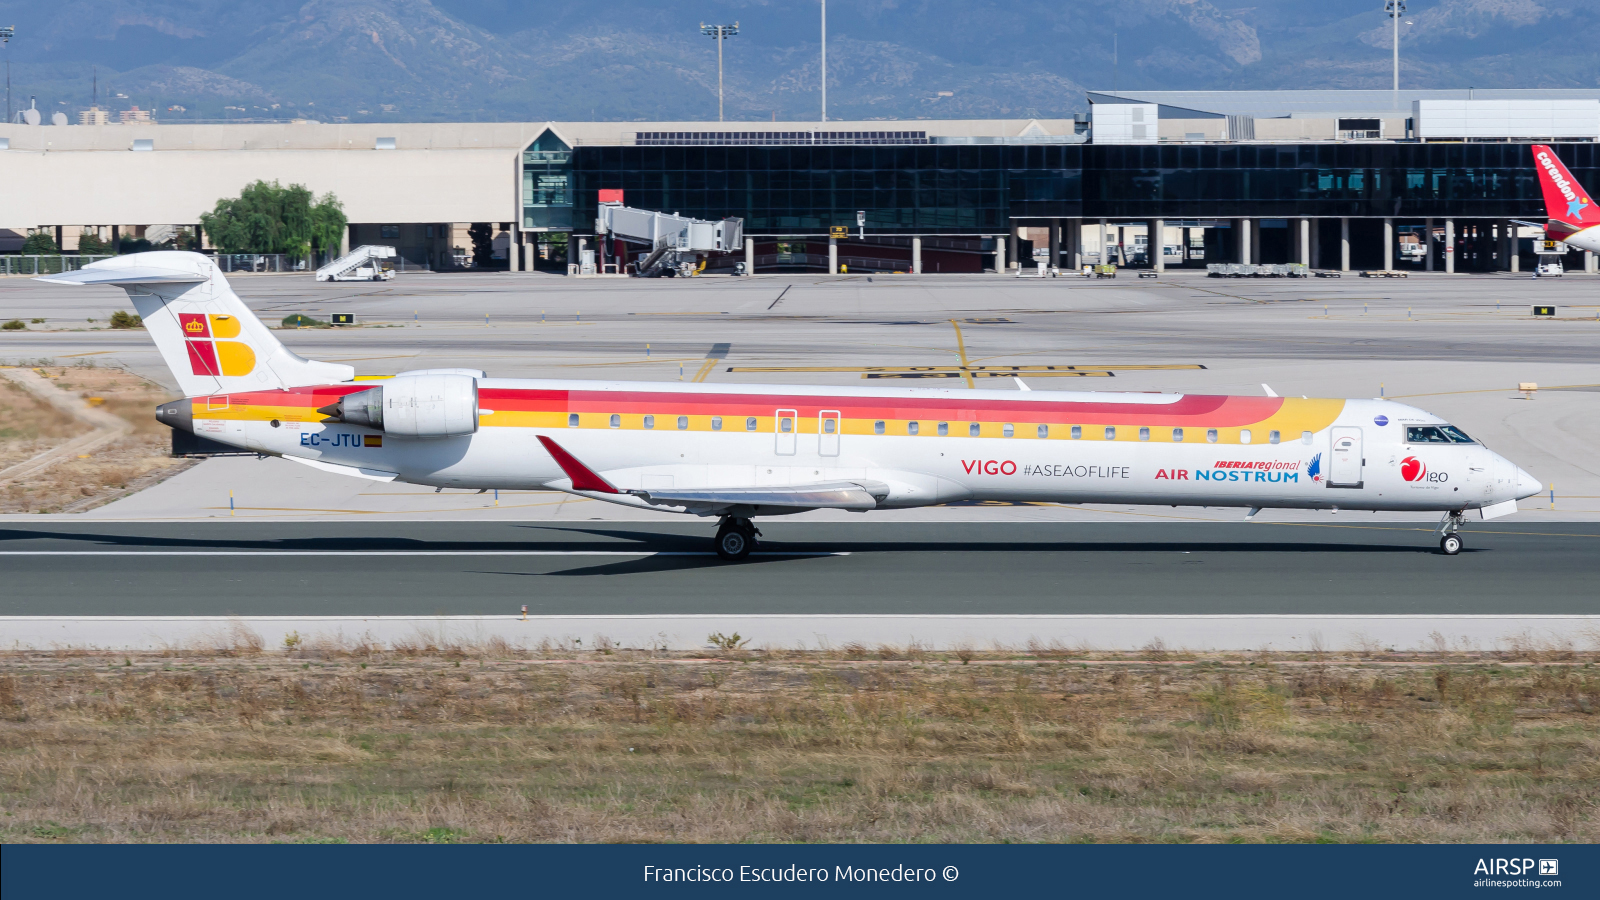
[1574,218]
[741,451]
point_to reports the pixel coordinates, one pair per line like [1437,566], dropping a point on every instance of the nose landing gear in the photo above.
[735,538]
[1450,542]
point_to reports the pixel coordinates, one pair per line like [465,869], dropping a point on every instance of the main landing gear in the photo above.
[735,538]
[1450,542]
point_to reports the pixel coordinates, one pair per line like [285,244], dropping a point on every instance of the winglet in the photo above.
[583,478]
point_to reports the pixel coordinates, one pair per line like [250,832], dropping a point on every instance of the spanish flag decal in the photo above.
[372,440]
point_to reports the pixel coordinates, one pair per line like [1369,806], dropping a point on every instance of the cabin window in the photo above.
[829,426]
[1008,430]
[974,429]
[944,429]
[877,427]
[1111,432]
[912,427]
[1444,434]
[1211,435]
[572,420]
[716,423]
[1044,431]
[1077,432]
[683,423]
[1177,435]
[1244,435]
[750,424]
[1144,434]
[649,422]
[785,424]
[616,421]
[1305,437]
[1272,437]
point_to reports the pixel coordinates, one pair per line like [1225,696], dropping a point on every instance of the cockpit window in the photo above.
[1456,435]
[1425,434]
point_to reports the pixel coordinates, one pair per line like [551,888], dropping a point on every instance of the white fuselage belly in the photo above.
[929,469]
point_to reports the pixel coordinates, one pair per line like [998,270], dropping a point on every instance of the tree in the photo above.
[90,244]
[270,218]
[482,234]
[40,243]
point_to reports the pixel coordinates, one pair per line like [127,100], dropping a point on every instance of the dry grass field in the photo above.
[30,426]
[430,743]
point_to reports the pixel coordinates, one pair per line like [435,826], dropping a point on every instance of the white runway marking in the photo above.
[387,553]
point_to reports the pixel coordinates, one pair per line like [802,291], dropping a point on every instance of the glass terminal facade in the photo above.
[977,189]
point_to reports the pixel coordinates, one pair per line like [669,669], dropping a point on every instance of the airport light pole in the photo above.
[824,60]
[720,33]
[7,32]
[1396,9]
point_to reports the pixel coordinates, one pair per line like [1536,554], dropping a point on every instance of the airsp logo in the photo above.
[1501,866]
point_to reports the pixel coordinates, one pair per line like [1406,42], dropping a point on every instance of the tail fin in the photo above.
[1569,206]
[210,340]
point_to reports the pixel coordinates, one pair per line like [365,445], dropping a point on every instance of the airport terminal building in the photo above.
[1337,180]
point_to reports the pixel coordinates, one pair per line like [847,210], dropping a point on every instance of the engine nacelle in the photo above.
[422,406]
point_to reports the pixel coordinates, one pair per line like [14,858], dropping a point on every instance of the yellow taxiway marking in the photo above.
[961,348]
[705,370]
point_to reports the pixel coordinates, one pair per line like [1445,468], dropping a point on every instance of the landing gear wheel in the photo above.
[1451,544]
[736,538]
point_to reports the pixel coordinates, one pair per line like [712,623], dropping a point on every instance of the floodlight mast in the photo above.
[824,60]
[1396,9]
[7,32]
[720,33]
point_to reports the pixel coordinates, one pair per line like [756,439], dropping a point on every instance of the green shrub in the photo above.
[300,320]
[14,325]
[124,319]
[40,243]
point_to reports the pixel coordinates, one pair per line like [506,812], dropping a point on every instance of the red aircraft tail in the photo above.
[1568,205]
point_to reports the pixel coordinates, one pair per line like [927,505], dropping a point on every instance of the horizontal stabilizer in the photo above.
[128,275]
[838,495]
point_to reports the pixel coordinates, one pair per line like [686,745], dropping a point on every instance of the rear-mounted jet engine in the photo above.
[421,406]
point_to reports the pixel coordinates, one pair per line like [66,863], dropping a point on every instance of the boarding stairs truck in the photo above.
[360,264]
[675,241]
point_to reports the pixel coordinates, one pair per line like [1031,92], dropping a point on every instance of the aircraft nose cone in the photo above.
[1527,485]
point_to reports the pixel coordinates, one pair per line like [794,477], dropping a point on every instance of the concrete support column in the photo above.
[1344,243]
[1245,241]
[833,256]
[1105,244]
[749,256]
[1589,261]
[1316,243]
[999,256]
[1055,243]
[1156,244]
[344,240]
[1011,247]
[1305,242]
[1388,244]
[916,256]
[1075,243]
[1449,246]
[1427,244]
[1513,258]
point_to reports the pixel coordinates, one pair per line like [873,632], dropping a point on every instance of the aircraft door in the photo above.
[828,432]
[1345,466]
[785,422]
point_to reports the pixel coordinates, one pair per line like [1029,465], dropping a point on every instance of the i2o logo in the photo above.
[1413,469]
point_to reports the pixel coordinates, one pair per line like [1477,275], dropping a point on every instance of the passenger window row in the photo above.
[1429,434]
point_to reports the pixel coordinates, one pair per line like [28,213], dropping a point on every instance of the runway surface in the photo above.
[631,568]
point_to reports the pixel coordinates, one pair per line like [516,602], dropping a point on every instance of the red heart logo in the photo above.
[1412,469]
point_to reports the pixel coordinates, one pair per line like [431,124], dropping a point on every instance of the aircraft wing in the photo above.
[835,495]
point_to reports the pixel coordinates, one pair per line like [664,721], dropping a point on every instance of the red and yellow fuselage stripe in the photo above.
[553,408]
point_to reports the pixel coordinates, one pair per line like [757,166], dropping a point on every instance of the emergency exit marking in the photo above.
[344,318]
[1544,310]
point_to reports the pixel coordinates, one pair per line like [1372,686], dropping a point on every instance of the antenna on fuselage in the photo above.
[1270,391]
